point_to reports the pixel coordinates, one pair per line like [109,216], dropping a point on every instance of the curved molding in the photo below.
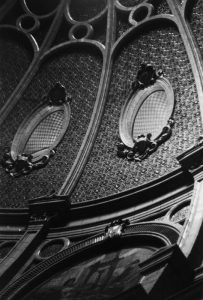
[21,87]
[74,43]
[185,4]
[39,16]
[90,219]
[127,8]
[93,20]
[194,222]
[90,137]
[141,25]
[140,13]
[191,47]
[27,23]
[137,234]
[176,208]
[27,36]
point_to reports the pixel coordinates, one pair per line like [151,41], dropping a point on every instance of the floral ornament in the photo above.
[116,228]
[23,164]
[58,95]
[143,145]
[146,76]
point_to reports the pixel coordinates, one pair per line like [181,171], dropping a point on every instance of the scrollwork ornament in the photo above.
[143,145]
[146,76]
[23,164]
[116,228]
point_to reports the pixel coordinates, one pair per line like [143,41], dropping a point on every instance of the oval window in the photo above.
[39,134]
[152,115]
[145,120]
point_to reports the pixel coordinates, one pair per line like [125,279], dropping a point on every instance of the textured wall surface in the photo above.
[160,7]
[105,173]
[196,19]
[12,49]
[86,9]
[80,73]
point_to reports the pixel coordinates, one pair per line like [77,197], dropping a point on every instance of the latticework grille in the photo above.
[152,115]
[45,133]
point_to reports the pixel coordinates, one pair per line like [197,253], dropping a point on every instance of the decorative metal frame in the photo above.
[191,161]
[147,82]
[17,162]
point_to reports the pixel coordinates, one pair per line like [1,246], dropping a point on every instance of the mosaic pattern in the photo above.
[10,48]
[197,23]
[152,115]
[73,70]
[98,278]
[106,174]
[82,10]
[45,133]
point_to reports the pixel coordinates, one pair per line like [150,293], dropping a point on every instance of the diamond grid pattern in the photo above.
[45,133]
[197,23]
[105,174]
[79,71]
[152,115]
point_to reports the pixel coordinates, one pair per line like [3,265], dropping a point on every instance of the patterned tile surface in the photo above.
[45,133]
[80,72]
[105,173]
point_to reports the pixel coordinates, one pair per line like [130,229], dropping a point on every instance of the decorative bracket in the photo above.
[148,82]
[116,228]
